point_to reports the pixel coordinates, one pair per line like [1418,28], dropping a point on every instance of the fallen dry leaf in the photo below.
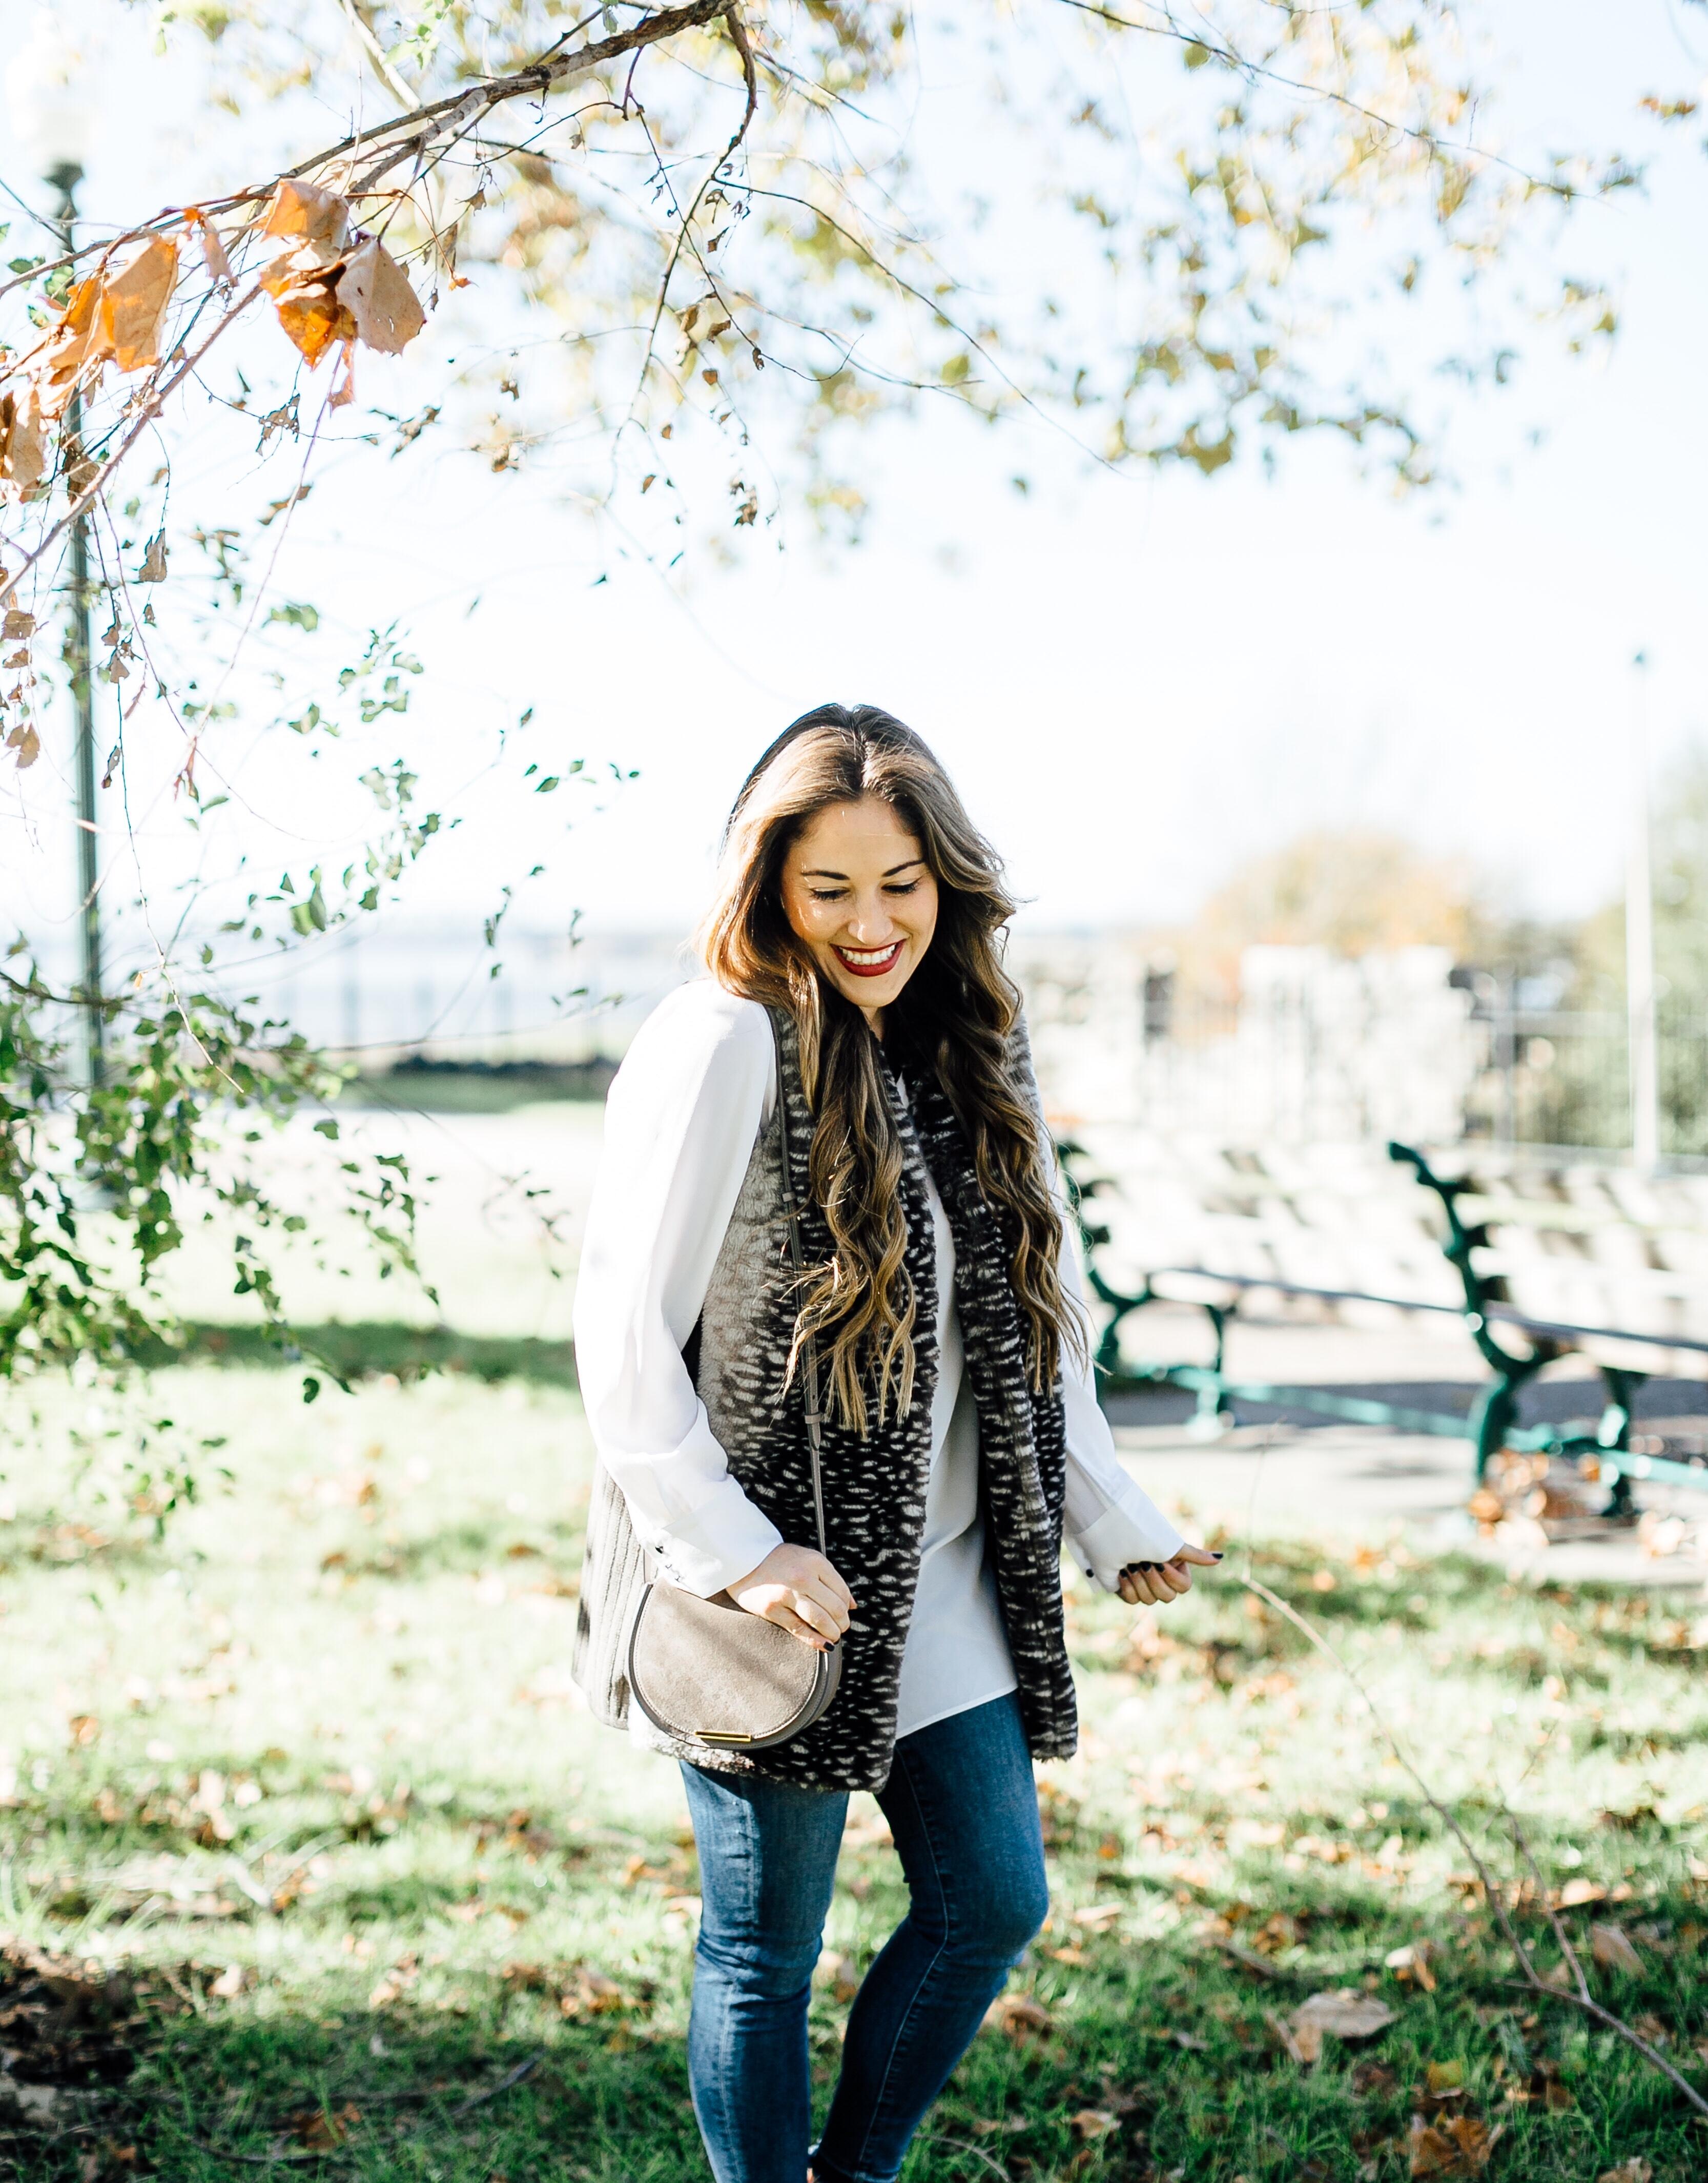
[841,1974]
[229,1984]
[1094,2123]
[382,305]
[1020,2016]
[321,2131]
[1410,1964]
[1289,2041]
[1446,2078]
[1097,1917]
[1348,2012]
[1612,1948]
[1459,2146]
[133,305]
[593,1994]
[1578,1894]
[1629,2171]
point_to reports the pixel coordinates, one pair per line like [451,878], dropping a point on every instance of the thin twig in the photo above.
[684,223]
[281,2159]
[1492,1891]
[150,410]
[960,2144]
[457,110]
[1206,41]
[1560,1935]
[553,69]
[513,2077]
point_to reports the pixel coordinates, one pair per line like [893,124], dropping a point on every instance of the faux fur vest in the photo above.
[875,1488]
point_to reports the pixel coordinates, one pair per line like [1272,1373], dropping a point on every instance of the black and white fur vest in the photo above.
[875,1488]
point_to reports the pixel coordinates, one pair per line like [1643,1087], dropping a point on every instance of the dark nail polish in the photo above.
[1221,1558]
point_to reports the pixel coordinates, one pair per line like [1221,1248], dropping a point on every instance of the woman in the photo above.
[854,957]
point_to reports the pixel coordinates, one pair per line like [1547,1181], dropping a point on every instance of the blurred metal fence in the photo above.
[1561,1077]
[1316,1049]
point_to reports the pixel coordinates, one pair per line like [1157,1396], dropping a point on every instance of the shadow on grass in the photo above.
[362,1347]
[171,2083]
[1138,2059]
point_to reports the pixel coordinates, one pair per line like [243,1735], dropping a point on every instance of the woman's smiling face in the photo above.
[857,890]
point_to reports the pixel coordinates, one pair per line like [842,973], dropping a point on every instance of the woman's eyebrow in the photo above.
[818,871]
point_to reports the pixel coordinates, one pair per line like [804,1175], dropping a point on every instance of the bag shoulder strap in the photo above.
[792,1221]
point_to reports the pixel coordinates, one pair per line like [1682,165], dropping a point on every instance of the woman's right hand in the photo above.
[798,1589]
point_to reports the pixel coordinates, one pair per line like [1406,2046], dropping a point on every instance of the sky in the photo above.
[1139,681]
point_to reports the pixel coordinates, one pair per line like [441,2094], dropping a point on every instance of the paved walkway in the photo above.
[1281,1476]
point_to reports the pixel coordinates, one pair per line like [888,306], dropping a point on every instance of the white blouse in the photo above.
[683,1112]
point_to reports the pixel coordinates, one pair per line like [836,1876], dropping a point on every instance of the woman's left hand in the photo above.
[1154,1584]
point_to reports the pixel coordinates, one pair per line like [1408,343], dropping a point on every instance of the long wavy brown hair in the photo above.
[954,1016]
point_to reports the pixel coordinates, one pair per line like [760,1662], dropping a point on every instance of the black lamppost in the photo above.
[80,662]
[49,86]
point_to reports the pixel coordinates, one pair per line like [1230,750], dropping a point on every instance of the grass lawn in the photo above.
[307,1848]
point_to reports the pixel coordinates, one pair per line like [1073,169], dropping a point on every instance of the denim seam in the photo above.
[902,2029]
[746,1825]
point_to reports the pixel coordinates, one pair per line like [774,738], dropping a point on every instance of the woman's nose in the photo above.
[870,923]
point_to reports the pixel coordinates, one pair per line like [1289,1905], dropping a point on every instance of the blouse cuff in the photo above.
[1122,1535]
[724,1538]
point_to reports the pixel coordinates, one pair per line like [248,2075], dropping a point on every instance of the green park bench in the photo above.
[1601,1448]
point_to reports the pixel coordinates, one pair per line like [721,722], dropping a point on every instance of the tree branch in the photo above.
[1205,41]
[145,417]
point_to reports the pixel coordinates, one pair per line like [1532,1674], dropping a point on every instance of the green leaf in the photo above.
[296,614]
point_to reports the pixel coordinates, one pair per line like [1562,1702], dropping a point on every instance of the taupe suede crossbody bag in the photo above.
[705,1670]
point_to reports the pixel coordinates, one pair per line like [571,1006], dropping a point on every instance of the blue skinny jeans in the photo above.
[962,1806]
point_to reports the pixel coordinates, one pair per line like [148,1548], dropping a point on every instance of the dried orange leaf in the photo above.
[153,567]
[212,250]
[82,308]
[1094,2123]
[78,340]
[1411,1962]
[373,289]
[27,744]
[313,318]
[321,2131]
[23,444]
[301,213]
[1019,2016]
[1460,2147]
[17,623]
[133,304]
